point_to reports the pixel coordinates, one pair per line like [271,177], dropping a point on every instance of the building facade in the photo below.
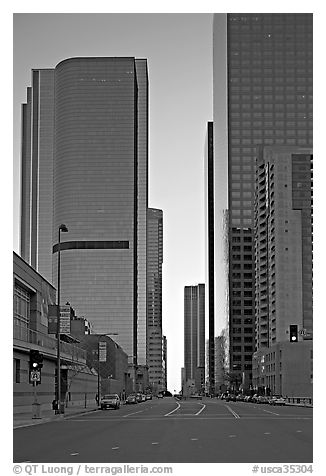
[154,299]
[89,172]
[262,96]
[32,297]
[283,271]
[194,335]
[210,258]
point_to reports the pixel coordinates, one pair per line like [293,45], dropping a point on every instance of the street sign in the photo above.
[102,351]
[35,376]
[65,319]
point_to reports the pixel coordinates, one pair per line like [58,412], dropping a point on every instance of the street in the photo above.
[168,430]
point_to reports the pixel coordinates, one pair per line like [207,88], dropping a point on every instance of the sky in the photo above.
[178,47]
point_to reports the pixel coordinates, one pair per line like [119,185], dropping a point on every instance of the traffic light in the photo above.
[293,333]
[35,360]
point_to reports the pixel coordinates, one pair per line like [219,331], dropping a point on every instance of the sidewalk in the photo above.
[26,419]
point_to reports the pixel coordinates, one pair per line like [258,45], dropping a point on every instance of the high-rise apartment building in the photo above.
[194,335]
[283,270]
[262,97]
[156,375]
[84,164]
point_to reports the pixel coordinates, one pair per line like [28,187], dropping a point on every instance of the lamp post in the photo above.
[98,362]
[62,228]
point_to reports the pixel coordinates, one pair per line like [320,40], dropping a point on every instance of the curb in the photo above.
[39,421]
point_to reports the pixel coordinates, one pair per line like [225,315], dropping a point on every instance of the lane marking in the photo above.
[194,439]
[232,436]
[273,413]
[267,433]
[155,443]
[134,413]
[204,406]
[74,454]
[299,431]
[170,413]
[115,448]
[231,411]
[188,417]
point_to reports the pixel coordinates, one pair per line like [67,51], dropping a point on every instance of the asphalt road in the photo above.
[167,430]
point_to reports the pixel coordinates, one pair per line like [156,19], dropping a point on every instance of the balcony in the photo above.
[46,343]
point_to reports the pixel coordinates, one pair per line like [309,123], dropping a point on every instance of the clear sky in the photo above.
[178,48]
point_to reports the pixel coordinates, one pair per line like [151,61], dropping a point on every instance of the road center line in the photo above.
[134,413]
[170,413]
[273,413]
[231,411]
[204,406]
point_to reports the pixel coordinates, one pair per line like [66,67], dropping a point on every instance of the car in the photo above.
[160,395]
[255,398]
[149,396]
[231,398]
[240,397]
[277,400]
[139,398]
[143,397]
[248,399]
[131,400]
[262,399]
[110,401]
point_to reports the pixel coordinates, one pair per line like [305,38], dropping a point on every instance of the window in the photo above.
[21,306]
[17,370]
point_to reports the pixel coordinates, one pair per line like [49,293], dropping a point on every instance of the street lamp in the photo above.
[98,362]
[62,228]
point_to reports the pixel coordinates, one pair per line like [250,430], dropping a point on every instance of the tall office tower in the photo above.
[262,96]
[154,299]
[194,335]
[84,164]
[283,269]
[210,259]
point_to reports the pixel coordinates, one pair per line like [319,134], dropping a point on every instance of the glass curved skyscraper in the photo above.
[84,164]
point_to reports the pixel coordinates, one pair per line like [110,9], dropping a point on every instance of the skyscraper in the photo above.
[210,259]
[262,96]
[283,270]
[194,335]
[84,164]
[156,375]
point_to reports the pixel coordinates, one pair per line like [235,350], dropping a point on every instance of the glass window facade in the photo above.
[269,84]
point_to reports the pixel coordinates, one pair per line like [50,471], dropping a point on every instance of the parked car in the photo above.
[231,398]
[149,396]
[131,400]
[248,398]
[139,398]
[277,400]
[262,399]
[160,395]
[110,401]
[240,397]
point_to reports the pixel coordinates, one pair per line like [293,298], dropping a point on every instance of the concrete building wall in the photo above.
[32,297]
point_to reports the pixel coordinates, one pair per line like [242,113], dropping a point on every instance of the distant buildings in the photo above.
[85,165]
[262,66]
[156,371]
[194,336]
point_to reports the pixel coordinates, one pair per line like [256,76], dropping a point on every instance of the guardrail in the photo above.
[25,334]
